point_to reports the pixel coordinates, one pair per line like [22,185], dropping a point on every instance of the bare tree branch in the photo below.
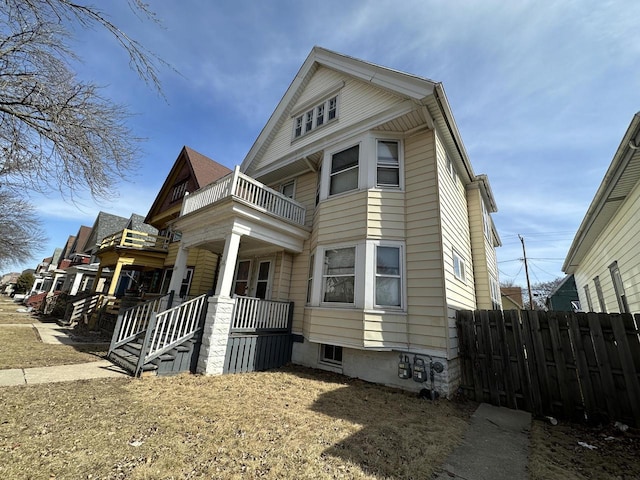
[58,133]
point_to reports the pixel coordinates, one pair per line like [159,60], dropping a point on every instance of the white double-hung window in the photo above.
[388,164]
[388,273]
[338,276]
[344,172]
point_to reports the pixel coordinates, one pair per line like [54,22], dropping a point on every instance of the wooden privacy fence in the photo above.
[564,364]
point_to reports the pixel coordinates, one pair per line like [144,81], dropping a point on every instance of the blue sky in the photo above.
[542,93]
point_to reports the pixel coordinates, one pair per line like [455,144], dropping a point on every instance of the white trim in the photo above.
[400,142]
[462,273]
[317,99]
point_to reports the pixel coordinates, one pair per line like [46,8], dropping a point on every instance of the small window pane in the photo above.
[388,177]
[388,261]
[388,291]
[333,103]
[343,182]
[388,153]
[346,159]
[320,115]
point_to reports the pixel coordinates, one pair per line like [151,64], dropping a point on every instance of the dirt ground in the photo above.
[575,452]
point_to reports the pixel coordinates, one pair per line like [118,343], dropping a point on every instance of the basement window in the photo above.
[331,354]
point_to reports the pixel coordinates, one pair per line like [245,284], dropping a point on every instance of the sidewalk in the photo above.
[54,334]
[495,447]
[60,373]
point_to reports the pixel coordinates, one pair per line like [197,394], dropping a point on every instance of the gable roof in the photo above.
[203,170]
[424,92]
[104,225]
[621,177]
[81,239]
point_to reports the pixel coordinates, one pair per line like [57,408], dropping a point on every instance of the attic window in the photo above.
[178,191]
[315,117]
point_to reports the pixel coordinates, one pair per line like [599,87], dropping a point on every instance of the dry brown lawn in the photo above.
[288,424]
[21,347]
[608,454]
[9,313]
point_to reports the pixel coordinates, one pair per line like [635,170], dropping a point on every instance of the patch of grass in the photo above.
[288,424]
[21,347]
[556,453]
[9,313]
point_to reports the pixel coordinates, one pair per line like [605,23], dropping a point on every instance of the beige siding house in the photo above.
[605,254]
[358,203]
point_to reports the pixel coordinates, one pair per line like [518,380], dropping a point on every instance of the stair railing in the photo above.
[171,328]
[133,321]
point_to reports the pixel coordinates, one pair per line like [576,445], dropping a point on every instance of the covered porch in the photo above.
[133,257]
[255,231]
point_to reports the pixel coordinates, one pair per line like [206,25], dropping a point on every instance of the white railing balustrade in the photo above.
[172,327]
[245,188]
[134,321]
[250,314]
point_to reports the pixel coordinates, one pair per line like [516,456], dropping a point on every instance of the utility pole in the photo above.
[526,271]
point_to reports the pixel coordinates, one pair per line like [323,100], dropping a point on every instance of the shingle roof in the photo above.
[204,169]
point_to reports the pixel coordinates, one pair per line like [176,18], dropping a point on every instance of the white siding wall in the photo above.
[427,326]
[357,101]
[455,234]
[620,241]
[484,254]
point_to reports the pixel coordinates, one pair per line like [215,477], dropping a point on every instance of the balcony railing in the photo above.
[245,188]
[137,240]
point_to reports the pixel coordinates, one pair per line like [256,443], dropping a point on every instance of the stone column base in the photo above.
[215,336]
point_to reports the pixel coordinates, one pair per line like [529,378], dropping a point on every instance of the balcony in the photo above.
[245,189]
[132,239]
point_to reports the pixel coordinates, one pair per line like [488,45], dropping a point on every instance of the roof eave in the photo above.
[615,170]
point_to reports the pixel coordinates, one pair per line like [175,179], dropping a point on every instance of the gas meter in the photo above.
[420,373]
[404,367]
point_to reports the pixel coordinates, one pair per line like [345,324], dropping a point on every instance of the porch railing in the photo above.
[170,328]
[135,320]
[135,239]
[245,188]
[75,310]
[251,314]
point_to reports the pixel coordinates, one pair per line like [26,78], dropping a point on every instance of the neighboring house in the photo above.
[8,282]
[511,298]
[604,257]
[190,172]
[564,298]
[124,247]
[358,203]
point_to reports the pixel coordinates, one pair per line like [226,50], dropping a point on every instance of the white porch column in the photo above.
[76,283]
[179,270]
[215,336]
[228,265]
[220,312]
